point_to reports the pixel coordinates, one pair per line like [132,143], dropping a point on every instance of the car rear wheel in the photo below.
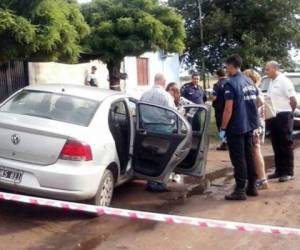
[105,190]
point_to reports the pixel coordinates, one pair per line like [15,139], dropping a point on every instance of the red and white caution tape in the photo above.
[166,218]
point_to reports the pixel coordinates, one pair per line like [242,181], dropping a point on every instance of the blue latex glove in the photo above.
[222,135]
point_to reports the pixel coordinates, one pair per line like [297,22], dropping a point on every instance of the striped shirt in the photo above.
[158,96]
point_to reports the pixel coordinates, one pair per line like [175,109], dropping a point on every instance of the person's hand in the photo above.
[222,135]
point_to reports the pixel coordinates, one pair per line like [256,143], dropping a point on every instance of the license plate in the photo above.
[11,174]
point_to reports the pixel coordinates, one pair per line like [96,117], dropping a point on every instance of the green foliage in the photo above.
[17,36]
[258,30]
[122,28]
[41,30]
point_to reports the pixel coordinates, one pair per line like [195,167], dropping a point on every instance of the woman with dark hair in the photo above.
[174,91]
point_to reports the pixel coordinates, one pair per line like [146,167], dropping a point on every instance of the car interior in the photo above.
[156,140]
[119,124]
[196,118]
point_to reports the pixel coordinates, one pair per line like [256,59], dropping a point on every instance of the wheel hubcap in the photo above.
[106,192]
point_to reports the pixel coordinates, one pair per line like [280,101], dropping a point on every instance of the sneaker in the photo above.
[251,191]
[273,176]
[236,195]
[286,178]
[262,184]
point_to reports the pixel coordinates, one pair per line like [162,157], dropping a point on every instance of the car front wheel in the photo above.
[104,194]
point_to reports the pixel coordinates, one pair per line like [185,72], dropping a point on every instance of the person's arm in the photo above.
[213,98]
[227,114]
[228,109]
[289,90]
[204,97]
[214,95]
[183,91]
[293,102]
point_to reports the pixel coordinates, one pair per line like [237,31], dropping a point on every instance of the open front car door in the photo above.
[162,140]
[195,162]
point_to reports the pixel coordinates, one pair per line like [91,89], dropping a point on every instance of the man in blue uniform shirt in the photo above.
[240,118]
[193,92]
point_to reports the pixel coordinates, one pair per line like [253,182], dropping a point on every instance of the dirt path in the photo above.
[28,227]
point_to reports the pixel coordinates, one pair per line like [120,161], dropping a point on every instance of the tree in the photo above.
[258,30]
[122,28]
[41,30]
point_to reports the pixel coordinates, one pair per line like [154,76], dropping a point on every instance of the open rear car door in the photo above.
[163,138]
[195,162]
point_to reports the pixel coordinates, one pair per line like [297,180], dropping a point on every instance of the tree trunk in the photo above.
[114,75]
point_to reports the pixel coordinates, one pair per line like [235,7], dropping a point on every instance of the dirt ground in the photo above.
[31,227]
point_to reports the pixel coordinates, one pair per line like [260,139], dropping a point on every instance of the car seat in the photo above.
[63,108]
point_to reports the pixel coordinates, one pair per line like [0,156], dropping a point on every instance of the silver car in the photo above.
[78,143]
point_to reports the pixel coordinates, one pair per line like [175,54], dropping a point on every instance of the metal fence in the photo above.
[13,76]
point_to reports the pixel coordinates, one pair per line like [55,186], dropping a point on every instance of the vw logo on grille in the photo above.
[15,139]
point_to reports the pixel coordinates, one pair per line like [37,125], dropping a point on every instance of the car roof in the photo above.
[286,74]
[88,92]
[292,74]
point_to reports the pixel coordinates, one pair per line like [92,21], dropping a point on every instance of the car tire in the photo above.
[104,194]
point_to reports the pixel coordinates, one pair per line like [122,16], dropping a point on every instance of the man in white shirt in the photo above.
[159,96]
[283,96]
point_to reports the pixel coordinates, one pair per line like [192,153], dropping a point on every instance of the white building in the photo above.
[140,72]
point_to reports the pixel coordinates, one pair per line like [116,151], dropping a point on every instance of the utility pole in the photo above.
[199,3]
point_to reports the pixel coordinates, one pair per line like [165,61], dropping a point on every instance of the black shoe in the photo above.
[156,187]
[273,176]
[286,178]
[251,191]
[222,147]
[236,195]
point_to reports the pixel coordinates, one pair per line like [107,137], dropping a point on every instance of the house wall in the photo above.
[169,66]
[50,72]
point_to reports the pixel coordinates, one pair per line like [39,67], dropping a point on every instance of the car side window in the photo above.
[132,107]
[119,108]
[157,120]
[196,117]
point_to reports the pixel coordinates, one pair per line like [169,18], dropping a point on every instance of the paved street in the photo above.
[30,227]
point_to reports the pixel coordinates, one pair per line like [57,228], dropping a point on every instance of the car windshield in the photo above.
[52,106]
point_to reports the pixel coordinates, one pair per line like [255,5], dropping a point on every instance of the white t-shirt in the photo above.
[280,91]
[157,95]
[93,78]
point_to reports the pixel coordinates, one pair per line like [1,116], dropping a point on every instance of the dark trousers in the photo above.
[218,116]
[281,129]
[240,151]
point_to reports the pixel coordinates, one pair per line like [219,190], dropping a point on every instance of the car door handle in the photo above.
[142,131]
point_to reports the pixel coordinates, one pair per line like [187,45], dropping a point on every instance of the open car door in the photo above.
[195,162]
[162,140]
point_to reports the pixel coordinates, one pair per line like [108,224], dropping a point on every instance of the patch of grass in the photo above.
[213,130]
